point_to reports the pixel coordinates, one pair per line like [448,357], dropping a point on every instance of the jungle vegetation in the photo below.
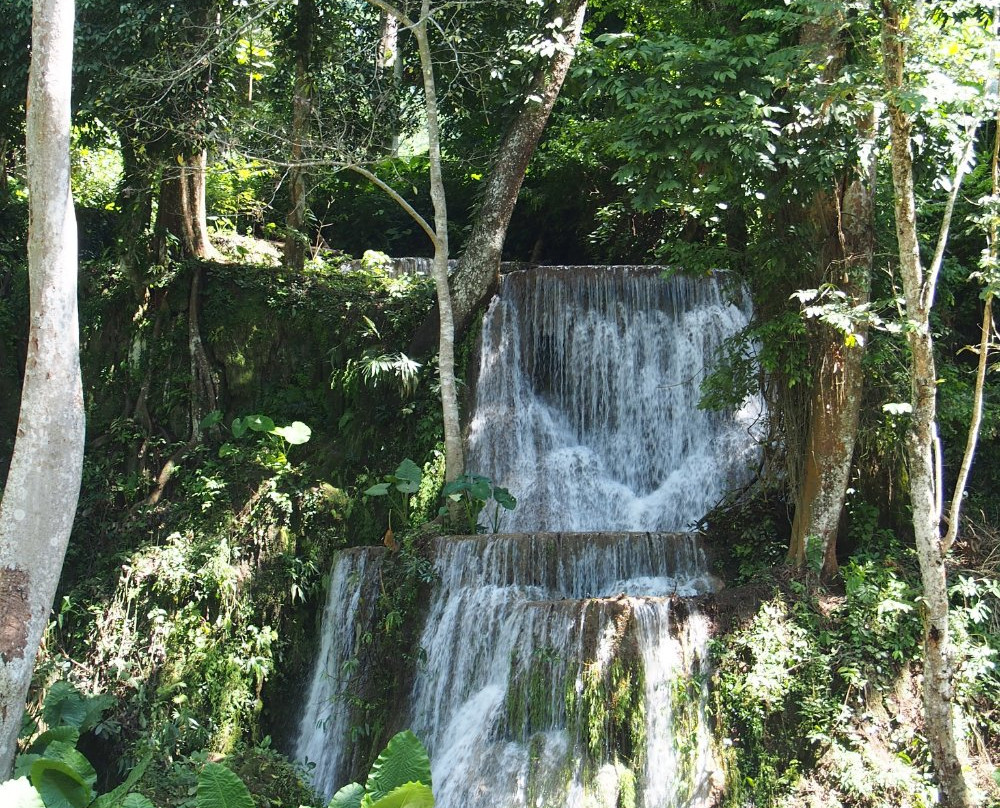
[250,367]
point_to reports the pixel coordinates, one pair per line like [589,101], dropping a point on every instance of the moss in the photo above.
[529,705]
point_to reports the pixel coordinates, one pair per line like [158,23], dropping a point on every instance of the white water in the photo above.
[587,399]
[586,409]
[556,605]
[324,730]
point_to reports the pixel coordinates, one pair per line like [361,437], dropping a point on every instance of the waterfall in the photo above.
[325,727]
[587,399]
[568,669]
[553,662]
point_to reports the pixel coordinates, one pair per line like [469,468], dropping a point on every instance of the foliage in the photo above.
[472,493]
[399,487]
[399,778]
[52,773]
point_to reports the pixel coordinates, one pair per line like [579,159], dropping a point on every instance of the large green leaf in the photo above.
[136,801]
[504,498]
[19,793]
[64,706]
[404,760]
[409,471]
[377,490]
[295,433]
[60,785]
[65,734]
[349,796]
[68,754]
[259,423]
[408,795]
[218,787]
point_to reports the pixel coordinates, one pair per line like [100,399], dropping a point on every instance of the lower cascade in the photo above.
[563,668]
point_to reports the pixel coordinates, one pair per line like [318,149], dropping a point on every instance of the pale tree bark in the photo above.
[43,483]
[453,450]
[923,452]
[478,268]
[835,404]
[986,343]
[295,239]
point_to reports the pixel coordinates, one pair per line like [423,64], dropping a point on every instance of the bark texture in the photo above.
[940,712]
[454,452]
[296,241]
[39,501]
[182,215]
[478,268]
[835,405]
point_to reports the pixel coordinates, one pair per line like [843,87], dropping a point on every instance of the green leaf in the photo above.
[410,471]
[348,797]
[239,428]
[68,754]
[19,793]
[66,734]
[378,490]
[64,706]
[480,489]
[295,434]
[120,796]
[218,787]
[408,795]
[60,785]
[212,419]
[137,801]
[259,423]
[407,487]
[504,498]
[404,760]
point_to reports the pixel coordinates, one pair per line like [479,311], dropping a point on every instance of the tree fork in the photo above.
[476,276]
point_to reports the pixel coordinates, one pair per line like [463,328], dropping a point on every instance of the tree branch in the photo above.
[411,211]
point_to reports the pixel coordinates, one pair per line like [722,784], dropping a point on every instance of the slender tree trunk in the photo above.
[836,400]
[3,169]
[182,214]
[388,59]
[453,450]
[477,271]
[943,737]
[296,242]
[39,501]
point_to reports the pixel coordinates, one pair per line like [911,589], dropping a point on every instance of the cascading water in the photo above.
[325,726]
[562,669]
[587,399]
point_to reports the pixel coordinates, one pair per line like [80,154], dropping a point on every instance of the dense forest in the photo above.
[231,424]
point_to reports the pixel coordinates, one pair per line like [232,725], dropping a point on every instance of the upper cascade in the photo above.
[586,404]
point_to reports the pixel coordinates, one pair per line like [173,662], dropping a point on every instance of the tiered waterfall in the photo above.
[566,660]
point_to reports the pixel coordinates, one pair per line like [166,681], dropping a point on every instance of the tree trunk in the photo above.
[181,217]
[835,405]
[945,742]
[39,501]
[453,451]
[296,242]
[135,200]
[476,276]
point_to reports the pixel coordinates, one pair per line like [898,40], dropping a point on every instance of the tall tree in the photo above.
[295,239]
[39,500]
[922,446]
[477,271]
